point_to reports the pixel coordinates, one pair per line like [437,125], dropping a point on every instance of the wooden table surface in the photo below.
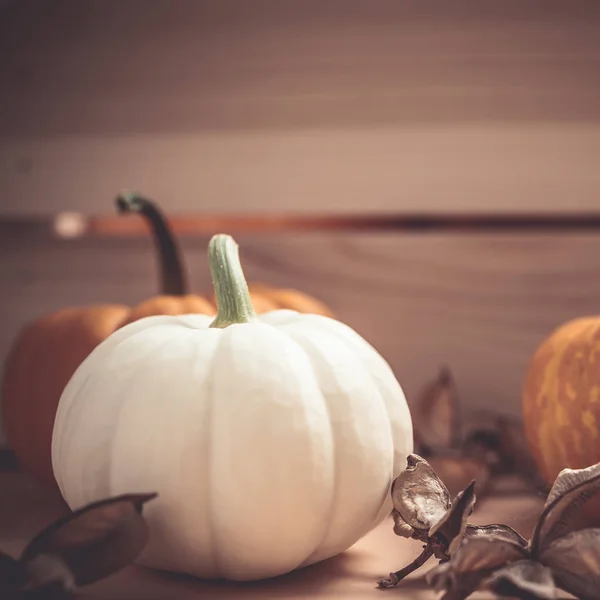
[25,508]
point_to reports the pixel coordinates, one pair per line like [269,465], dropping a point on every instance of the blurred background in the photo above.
[355,108]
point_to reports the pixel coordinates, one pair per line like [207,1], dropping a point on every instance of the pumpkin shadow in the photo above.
[346,574]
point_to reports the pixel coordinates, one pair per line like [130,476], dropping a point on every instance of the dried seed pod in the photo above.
[472,563]
[496,530]
[453,524]
[563,512]
[423,511]
[401,527]
[575,562]
[564,551]
[436,414]
[525,579]
[419,495]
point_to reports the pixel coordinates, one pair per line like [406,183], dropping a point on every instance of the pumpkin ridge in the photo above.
[156,350]
[334,458]
[315,354]
[76,381]
[208,444]
[210,501]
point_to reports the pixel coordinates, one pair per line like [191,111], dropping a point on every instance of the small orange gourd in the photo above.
[561,398]
[47,352]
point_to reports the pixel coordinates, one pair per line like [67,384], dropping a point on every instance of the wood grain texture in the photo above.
[24,509]
[300,106]
[492,167]
[478,303]
[79,225]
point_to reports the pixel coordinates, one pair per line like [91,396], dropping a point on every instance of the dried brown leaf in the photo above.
[575,562]
[497,530]
[569,479]
[442,579]
[91,543]
[524,579]
[453,524]
[563,512]
[472,562]
[419,495]
[485,553]
[436,414]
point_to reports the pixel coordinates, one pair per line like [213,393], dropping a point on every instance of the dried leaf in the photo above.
[443,579]
[472,562]
[496,530]
[563,512]
[437,413]
[524,579]
[92,542]
[456,586]
[419,495]
[453,524]
[569,479]
[575,562]
[484,554]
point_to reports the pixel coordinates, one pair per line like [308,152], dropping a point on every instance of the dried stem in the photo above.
[396,577]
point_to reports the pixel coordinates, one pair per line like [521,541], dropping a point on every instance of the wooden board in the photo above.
[493,167]
[300,106]
[24,509]
[478,303]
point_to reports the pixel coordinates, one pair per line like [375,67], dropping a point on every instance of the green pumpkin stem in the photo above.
[173,280]
[231,290]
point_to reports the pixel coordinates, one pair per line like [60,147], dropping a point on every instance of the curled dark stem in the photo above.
[173,280]
[396,577]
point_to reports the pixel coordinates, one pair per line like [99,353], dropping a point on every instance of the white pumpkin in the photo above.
[272,441]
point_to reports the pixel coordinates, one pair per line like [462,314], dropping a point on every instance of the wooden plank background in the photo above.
[479,303]
[342,105]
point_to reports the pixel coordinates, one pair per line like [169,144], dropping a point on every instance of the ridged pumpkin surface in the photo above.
[561,398]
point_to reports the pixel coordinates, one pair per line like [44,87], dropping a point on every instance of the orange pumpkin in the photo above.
[561,398]
[48,351]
